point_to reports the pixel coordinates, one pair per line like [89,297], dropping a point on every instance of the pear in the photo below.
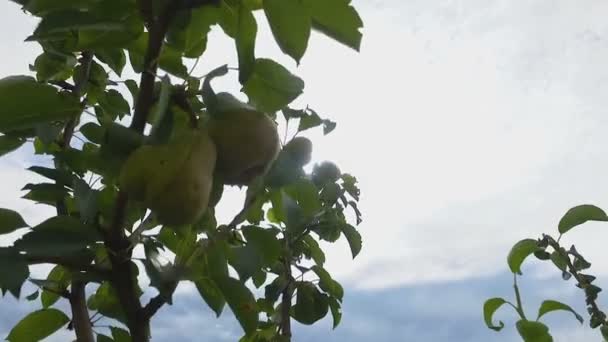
[247,143]
[300,150]
[174,180]
[326,172]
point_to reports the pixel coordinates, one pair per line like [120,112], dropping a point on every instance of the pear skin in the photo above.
[173,180]
[247,143]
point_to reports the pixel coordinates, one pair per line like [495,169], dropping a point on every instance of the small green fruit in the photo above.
[326,172]
[299,150]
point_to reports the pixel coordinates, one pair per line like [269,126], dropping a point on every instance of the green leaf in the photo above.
[552,305]
[10,143]
[245,42]
[169,60]
[58,281]
[313,250]
[41,7]
[519,252]
[116,59]
[18,111]
[265,243]
[533,331]
[14,271]
[62,177]
[489,308]
[311,305]
[64,22]
[33,296]
[336,311]
[259,278]
[211,294]
[105,300]
[579,215]
[48,193]
[241,302]
[120,335]
[290,24]
[327,284]
[119,35]
[353,237]
[271,86]
[305,193]
[10,221]
[113,103]
[54,66]
[58,236]
[38,325]
[104,338]
[336,19]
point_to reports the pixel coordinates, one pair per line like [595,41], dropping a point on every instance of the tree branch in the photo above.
[77,298]
[123,277]
[154,305]
[80,314]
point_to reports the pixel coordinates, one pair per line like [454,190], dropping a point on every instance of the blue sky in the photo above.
[470,125]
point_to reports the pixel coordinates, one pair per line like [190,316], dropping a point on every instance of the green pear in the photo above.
[174,180]
[247,143]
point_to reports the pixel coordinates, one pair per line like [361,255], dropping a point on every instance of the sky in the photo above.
[469,124]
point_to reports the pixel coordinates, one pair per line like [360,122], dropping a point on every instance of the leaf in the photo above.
[104,338]
[62,22]
[552,305]
[58,236]
[336,19]
[10,143]
[353,237]
[48,193]
[38,325]
[58,281]
[271,86]
[241,302]
[311,305]
[489,308]
[533,331]
[10,221]
[105,300]
[579,215]
[290,24]
[18,111]
[54,66]
[62,177]
[120,335]
[86,200]
[14,271]
[113,103]
[519,252]
[336,311]
[327,284]
[313,250]
[265,243]
[114,58]
[211,294]
[245,42]
[32,296]
[41,7]
[306,194]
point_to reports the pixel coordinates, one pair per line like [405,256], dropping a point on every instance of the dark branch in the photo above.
[123,277]
[80,314]
[153,306]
